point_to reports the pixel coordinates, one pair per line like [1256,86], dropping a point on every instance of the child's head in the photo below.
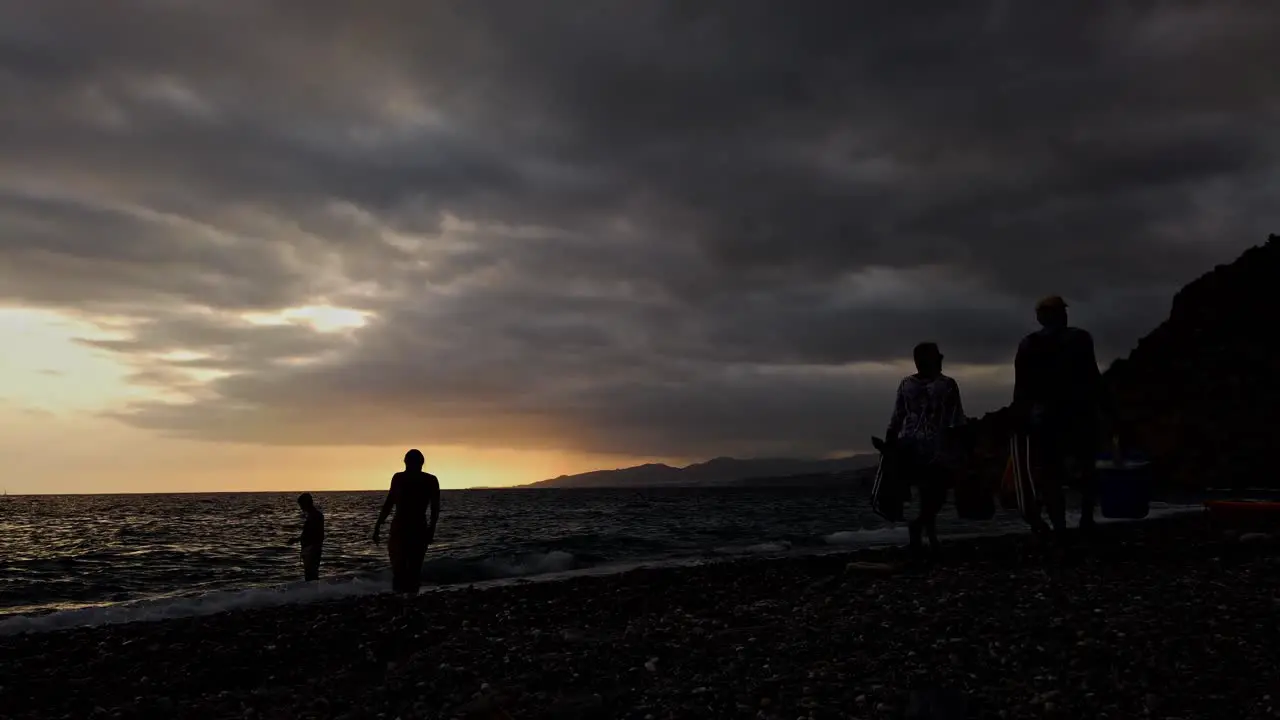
[305,502]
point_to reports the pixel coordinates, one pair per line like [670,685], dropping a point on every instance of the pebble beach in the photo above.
[1158,619]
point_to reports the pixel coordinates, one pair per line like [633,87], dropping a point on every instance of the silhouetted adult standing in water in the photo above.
[921,433]
[413,492]
[312,537]
[1057,397]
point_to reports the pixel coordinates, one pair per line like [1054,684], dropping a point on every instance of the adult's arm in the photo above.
[387,504]
[435,509]
[1101,394]
[957,414]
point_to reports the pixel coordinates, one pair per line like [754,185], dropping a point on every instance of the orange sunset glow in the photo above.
[54,389]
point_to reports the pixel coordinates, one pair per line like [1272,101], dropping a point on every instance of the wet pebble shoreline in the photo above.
[1151,620]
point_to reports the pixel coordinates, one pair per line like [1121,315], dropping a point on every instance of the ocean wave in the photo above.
[764,548]
[209,603]
[870,536]
[451,571]
[437,571]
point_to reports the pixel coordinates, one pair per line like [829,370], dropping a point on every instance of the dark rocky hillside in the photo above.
[1201,391]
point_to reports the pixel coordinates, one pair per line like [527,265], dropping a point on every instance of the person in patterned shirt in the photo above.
[927,410]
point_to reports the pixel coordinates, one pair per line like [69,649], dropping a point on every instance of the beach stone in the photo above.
[936,704]
[870,568]
[579,707]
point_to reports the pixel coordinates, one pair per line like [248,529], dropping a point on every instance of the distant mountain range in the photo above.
[721,471]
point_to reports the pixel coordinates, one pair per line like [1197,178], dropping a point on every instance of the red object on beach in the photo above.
[1244,514]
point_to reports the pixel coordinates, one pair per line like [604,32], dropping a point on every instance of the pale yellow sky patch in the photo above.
[321,318]
[53,391]
[44,368]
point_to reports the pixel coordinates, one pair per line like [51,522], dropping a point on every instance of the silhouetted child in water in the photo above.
[922,434]
[413,492]
[312,537]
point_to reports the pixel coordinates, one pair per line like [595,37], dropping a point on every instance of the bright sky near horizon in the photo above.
[54,391]
[267,245]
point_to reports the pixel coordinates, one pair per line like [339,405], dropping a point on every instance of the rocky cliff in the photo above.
[1202,390]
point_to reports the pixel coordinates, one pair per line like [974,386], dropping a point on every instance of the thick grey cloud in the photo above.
[648,228]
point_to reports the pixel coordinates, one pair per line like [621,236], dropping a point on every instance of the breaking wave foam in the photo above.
[439,571]
[208,603]
[444,572]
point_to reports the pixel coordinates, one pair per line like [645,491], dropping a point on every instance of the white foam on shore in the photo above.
[208,603]
[764,548]
[498,568]
[891,535]
[436,570]
[539,567]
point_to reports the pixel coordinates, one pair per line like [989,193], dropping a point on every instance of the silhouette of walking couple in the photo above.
[1058,396]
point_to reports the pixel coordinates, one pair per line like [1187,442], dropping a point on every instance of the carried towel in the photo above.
[1018,488]
[889,494]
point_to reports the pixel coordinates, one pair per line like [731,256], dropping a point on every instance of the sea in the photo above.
[68,561]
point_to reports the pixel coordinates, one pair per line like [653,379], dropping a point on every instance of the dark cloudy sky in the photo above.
[644,229]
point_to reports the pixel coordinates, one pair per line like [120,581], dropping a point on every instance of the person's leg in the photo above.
[413,569]
[1048,473]
[395,554]
[1088,496]
[909,475]
[1086,457]
[1026,450]
[311,563]
[1054,500]
[933,495]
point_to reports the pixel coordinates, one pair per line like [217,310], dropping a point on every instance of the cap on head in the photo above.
[925,352]
[414,458]
[305,500]
[1053,302]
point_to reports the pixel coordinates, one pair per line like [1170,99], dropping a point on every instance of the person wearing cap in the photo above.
[413,493]
[1057,396]
[312,537]
[922,431]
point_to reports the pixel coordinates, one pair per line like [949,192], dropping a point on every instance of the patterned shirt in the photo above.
[924,409]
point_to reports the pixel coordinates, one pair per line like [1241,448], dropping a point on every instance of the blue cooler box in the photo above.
[1124,486]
